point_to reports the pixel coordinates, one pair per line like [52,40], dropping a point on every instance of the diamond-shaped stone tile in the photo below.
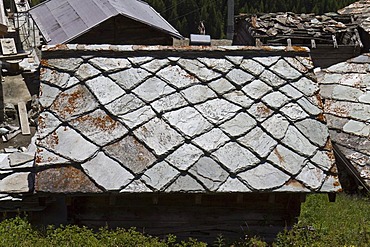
[185,184]
[105,89]
[64,141]
[217,110]
[47,123]
[156,65]
[169,102]
[129,78]
[260,111]
[264,177]
[267,61]
[287,160]
[233,185]
[221,85]
[152,89]
[324,160]
[275,99]
[272,79]
[211,140]
[276,125]
[235,157]
[106,172]
[198,93]
[160,175]
[258,141]
[110,64]
[294,112]
[124,104]
[238,125]
[159,136]
[291,92]
[251,66]
[45,158]
[306,86]
[177,77]
[331,184]
[314,130]
[238,97]
[131,154]
[71,65]
[221,65]
[357,128]
[311,176]
[188,120]
[256,89]
[86,71]
[184,157]
[136,186]
[138,117]
[209,173]
[309,107]
[296,64]
[298,142]
[99,127]
[54,77]
[198,69]
[239,77]
[47,95]
[283,69]
[73,102]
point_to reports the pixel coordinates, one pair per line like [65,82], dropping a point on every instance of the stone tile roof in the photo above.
[361,10]
[345,90]
[201,119]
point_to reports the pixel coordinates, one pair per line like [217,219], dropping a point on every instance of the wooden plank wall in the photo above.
[123,31]
[190,215]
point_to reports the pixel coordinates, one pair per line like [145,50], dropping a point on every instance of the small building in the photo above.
[344,89]
[102,22]
[191,141]
[361,12]
[332,38]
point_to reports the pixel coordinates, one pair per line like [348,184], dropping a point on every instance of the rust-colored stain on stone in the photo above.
[263,110]
[64,180]
[281,158]
[103,123]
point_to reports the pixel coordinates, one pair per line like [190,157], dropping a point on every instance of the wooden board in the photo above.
[23,118]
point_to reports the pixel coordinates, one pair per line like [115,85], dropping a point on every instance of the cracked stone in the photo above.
[267,61]
[46,158]
[110,64]
[47,95]
[86,71]
[106,172]
[99,127]
[277,126]
[152,89]
[309,107]
[64,180]
[252,67]
[221,85]
[105,89]
[198,69]
[275,99]
[47,123]
[159,136]
[272,79]
[217,110]
[294,112]
[324,160]
[185,184]
[177,77]
[260,111]
[188,120]
[258,141]
[287,160]
[235,157]
[240,124]
[256,89]
[311,176]
[314,130]
[221,65]
[306,86]
[238,97]
[233,185]
[211,140]
[184,157]
[198,93]
[160,175]
[295,140]
[73,102]
[127,103]
[135,118]
[54,77]
[71,65]
[239,77]
[136,187]
[155,65]
[209,173]
[19,182]
[129,78]
[131,154]
[264,177]
[169,102]
[64,141]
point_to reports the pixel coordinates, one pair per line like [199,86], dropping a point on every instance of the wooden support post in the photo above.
[335,41]
[313,44]
[198,199]
[23,118]
[358,39]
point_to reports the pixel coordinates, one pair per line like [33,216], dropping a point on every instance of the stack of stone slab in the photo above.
[135,119]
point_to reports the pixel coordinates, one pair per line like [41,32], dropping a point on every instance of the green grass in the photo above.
[343,223]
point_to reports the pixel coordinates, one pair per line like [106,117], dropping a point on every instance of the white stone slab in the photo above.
[276,125]
[258,141]
[237,60]
[198,69]
[233,185]
[286,159]
[357,128]
[105,89]
[47,123]
[314,130]
[296,64]
[18,158]
[160,175]
[331,184]
[272,79]
[124,104]
[311,176]
[16,183]
[110,64]
[257,89]
[221,65]
[140,60]
[136,187]
[169,102]
[221,85]
[138,117]
[239,125]
[155,65]
[211,140]
[185,184]
[260,111]
[198,93]
[309,107]
[251,66]
[54,77]
[184,157]
[291,92]
[324,160]
[86,71]
[275,99]
[70,65]
[152,89]
[217,110]
[46,158]
[239,76]
[283,69]
[177,77]
[294,112]
[298,142]
[267,61]
[129,78]
[47,95]
[239,98]
[306,86]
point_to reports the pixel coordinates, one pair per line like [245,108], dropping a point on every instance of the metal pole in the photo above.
[230,19]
